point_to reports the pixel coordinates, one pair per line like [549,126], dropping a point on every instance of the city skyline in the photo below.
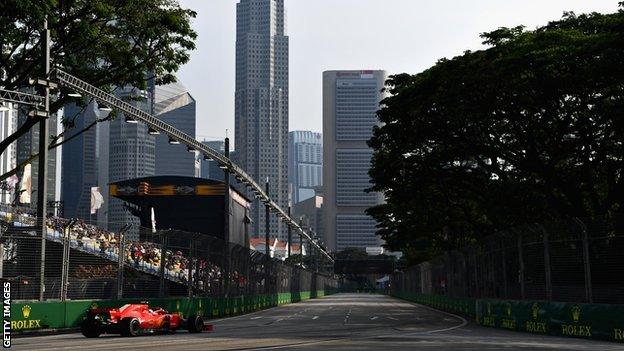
[344,39]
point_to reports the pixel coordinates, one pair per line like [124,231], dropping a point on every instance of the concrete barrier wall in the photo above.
[589,321]
[69,314]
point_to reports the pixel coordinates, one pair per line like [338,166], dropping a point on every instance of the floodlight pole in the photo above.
[42,176]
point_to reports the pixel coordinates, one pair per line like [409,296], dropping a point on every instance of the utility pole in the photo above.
[226,223]
[42,179]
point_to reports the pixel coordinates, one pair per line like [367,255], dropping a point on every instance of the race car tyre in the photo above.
[195,324]
[166,327]
[90,328]
[129,326]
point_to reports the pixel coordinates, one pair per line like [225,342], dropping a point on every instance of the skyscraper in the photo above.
[131,155]
[210,169]
[175,106]
[80,165]
[350,102]
[261,102]
[305,164]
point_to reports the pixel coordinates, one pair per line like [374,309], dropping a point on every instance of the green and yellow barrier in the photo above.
[60,315]
[589,321]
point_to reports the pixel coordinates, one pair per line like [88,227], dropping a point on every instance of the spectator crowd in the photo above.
[142,255]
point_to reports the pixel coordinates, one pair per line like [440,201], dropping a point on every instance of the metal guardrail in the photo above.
[110,100]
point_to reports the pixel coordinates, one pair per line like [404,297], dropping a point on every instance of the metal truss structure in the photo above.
[21,98]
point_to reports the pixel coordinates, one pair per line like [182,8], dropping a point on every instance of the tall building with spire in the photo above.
[261,111]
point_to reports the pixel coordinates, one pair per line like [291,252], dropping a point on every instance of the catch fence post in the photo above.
[521,264]
[163,257]
[65,267]
[121,260]
[504,261]
[547,270]
[191,264]
[586,261]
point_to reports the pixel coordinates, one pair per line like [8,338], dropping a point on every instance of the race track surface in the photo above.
[337,322]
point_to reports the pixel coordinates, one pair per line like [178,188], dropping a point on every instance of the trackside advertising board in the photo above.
[589,321]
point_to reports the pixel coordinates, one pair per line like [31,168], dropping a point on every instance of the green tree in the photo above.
[108,43]
[529,129]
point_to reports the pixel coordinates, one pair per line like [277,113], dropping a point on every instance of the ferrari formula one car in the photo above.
[136,319]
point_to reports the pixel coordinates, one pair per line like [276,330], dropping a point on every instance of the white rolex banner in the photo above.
[26,185]
[96,199]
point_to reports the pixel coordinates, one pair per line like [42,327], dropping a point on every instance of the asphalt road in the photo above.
[338,322]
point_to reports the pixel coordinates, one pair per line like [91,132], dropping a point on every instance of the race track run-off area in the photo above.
[337,322]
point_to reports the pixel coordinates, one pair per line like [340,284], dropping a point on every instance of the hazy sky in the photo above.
[395,35]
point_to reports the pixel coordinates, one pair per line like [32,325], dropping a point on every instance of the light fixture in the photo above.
[74,95]
[3,107]
[129,119]
[223,167]
[153,131]
[207,158]
[173,141]
[190,149]
[104,108]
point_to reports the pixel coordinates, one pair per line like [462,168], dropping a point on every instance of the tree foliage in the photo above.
[529,129]
[104,42]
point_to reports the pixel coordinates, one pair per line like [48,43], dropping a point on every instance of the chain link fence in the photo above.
[84,261]
[569,261]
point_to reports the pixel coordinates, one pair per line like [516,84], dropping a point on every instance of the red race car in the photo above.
[135,319]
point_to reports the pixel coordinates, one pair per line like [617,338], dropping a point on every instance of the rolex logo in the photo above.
[508,310]
[535,310]
[26,311]
[576,313]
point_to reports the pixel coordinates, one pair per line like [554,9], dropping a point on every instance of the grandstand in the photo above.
[95,253]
